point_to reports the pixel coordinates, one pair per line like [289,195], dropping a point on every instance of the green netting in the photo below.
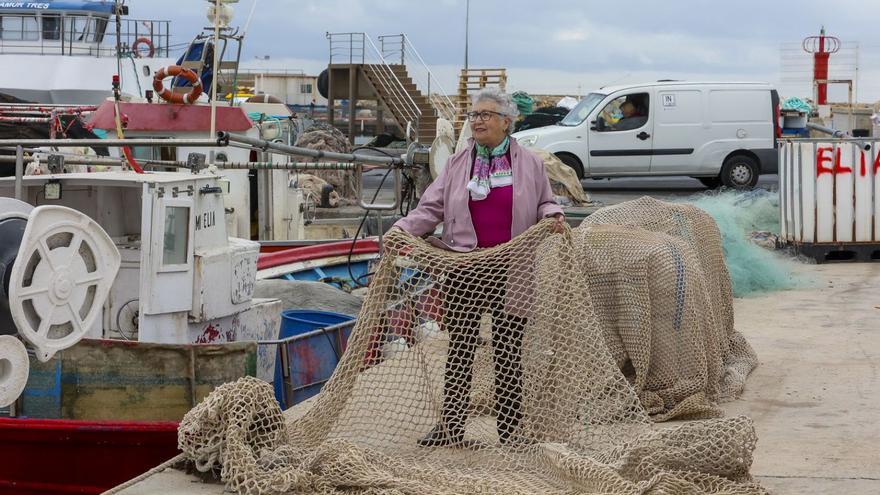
[753,269]
[524,102]
[795,103]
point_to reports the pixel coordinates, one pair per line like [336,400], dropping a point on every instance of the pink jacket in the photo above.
[446,199]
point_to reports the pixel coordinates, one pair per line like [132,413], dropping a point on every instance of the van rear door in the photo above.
[620,138]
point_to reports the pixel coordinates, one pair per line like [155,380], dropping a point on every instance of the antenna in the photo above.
[250,16]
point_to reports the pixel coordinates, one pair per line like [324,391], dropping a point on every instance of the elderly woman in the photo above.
[486,195]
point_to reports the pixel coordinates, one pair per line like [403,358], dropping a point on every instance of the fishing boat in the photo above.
[344,263]
[72,49]
[135,304]
[160,307]
[162,231]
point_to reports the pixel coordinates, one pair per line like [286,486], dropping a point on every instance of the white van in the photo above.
[719,133]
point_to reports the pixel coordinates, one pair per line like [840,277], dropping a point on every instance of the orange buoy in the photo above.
[135,47]
[166,94]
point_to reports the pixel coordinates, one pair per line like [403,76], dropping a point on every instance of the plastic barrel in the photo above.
[311,359]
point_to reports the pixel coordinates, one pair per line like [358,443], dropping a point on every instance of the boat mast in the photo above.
[217,6]
[117,10]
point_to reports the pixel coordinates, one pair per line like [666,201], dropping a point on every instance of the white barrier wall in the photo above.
[829,191]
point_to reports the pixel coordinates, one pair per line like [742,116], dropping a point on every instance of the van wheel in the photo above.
[710,182]
[573,163]
[739,172]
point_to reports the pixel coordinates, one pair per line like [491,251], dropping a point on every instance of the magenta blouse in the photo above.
[493,216]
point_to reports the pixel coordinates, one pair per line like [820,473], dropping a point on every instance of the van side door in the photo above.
[620,139]
[680,126]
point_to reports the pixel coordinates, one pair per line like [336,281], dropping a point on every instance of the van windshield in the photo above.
[580,112]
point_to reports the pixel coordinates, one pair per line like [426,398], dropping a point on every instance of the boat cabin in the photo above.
[78,28]
[182,279]
[261,204]
[68,51]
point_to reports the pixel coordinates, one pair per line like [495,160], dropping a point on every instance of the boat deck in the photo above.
[814,397]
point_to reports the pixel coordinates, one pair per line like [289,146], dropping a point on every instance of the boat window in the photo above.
[51,27]
[100,28]
[76,28]
[168,153]
[89,34]
[19,28]
[142,152]
[176,241]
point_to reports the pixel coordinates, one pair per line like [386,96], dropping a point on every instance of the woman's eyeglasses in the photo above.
[482,116]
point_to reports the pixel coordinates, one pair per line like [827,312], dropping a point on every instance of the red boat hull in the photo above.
[271,256]
[49,456]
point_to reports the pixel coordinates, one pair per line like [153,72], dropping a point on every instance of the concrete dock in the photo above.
[814,398]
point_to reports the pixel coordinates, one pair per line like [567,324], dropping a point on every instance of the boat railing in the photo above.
[335,339]
[87,36]
[359,163]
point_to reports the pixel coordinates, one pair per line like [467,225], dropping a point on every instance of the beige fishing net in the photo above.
[658,280]
[325,137]
[485,372]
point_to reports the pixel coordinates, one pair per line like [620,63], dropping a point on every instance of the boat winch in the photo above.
[57,267]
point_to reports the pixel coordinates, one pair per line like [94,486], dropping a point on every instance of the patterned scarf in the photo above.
[491,169]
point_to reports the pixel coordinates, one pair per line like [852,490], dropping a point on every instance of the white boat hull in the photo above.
[74,80]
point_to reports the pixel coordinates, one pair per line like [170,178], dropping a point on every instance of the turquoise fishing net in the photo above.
[753,269]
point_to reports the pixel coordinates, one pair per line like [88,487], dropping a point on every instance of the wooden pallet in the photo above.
[471,81]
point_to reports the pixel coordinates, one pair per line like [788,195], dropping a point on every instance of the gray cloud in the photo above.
[556,45]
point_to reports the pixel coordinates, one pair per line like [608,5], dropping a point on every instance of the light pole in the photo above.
[467,12]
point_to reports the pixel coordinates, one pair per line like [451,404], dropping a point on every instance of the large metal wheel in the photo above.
[14,369]
[62,275]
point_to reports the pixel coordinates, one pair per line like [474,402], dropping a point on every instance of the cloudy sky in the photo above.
[567,47]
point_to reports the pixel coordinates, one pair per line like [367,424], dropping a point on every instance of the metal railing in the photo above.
[356,159]
[358,48]
[346,48]
[78,35]
[273,72]
[398,47]
[336,340]
[344,161]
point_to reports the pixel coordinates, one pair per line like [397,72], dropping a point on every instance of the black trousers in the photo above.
[464,308]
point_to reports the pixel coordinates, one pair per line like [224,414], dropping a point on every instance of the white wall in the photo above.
[288,87]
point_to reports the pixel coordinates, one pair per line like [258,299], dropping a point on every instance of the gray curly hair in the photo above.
[504,101]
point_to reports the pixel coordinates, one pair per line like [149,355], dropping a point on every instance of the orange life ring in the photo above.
[167,95]
[142,41]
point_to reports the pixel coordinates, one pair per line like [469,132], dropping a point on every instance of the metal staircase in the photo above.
[396,76]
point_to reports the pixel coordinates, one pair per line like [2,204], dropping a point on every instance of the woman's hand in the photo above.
[559,225]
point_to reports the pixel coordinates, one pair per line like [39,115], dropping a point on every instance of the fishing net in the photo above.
[753,269]
[657,277]
[324,137]
[483,372]
[564,181]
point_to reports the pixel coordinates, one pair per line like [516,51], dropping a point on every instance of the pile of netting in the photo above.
[501,382]
[740,215]
[659,284]
[325,137]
